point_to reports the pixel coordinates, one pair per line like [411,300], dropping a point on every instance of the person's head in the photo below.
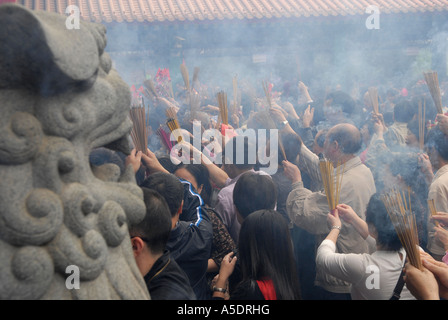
[437,147]
[265,251]
[380,225]
[342,142]
[413,136]
[403,111]
[319,140]
[198,176]
[166,163]
[253,192]
[170,187]
[338,104]
[149,237]
[100,156]
[238,156]
[292,144]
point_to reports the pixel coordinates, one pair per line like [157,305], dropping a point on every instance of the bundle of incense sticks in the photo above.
[332,184]
[139,133]
[185,76]
[432,81]
[164,137]
[400,212]
[149,85]
[235,95]
[267,93]
[195,102]
[164,85]
[172,122]
[432,209]
[421,123]
[373,95]
[221,97]
[195,76]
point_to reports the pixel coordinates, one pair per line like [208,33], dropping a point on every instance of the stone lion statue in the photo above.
[59,99]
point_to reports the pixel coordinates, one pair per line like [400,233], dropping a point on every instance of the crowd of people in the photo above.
[231,230]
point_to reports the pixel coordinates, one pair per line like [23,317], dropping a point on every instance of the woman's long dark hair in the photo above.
[266,252]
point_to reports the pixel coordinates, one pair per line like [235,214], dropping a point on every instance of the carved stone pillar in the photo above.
[59,99]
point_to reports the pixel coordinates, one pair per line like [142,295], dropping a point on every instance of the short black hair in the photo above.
[342,99]
[167,164]
[348,137]
[254,191]
[169,186]
[403,111]
[101,155]
[292,144]
[439,141]
[155,227]
[234,144]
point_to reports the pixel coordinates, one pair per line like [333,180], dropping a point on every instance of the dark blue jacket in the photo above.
[190,242]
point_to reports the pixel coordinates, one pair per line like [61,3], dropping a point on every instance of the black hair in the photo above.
[167,164]
[101,155]
[266,251]
[376,214]
[342,99]
[403,111]
[235,145]
[202,176]
[254,192]
[155,227]
[439,141]
[414,127]
[348,137]
[169,186]
[292,143]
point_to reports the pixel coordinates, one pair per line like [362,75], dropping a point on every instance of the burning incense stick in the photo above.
[332,184]
[432,82]
[400,213]
[267,93]
[222,104]
[149,84]
[373,95]
[195,76]
[172,122]
[195,102]
[185,76]
[421,123]
[432,209]
[235,95]
[139,133]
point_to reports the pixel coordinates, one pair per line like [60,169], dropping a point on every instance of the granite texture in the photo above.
[59,99]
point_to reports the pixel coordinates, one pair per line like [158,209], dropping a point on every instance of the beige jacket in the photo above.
[308,210]
[438,190]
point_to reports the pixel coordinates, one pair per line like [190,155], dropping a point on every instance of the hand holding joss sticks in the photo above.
[139,132]
[373,95]
[332,183]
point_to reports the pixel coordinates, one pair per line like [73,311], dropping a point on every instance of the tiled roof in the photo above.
[191,10]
